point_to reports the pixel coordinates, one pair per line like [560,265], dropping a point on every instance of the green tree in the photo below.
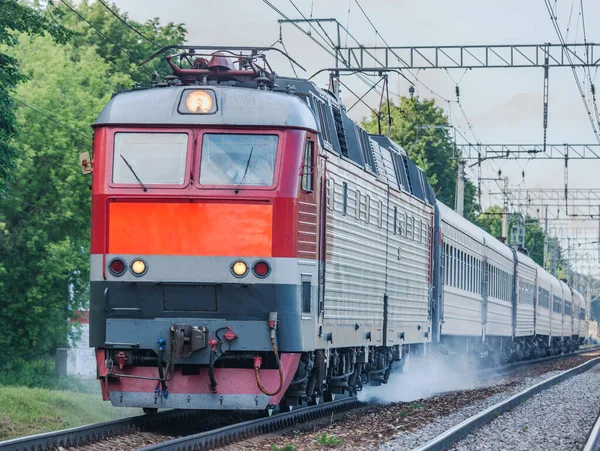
[130,47]
[45,210]
[432,149]
[16,17]
[490,220]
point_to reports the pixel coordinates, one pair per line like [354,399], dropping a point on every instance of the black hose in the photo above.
[211,372]
[161,374]
[342,376]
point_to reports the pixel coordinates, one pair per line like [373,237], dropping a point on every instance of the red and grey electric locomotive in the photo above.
[252,247]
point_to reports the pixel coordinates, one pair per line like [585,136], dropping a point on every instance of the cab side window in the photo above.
[307,167]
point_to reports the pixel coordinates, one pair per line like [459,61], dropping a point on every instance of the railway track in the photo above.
[452,438]
[171,429]
[593,441]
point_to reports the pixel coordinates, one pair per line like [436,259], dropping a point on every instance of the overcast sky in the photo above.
[503,105]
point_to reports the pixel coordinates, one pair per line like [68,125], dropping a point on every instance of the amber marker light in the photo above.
[239,269]
[199,102]
[138,267]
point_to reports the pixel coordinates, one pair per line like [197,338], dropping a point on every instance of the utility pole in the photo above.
[546,238]
[460,188]
[505,212]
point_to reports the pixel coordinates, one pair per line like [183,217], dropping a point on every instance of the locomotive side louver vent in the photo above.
[405,159]
[367,150]
[339,127]
[378,160]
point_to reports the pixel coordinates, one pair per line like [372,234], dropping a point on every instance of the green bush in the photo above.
[41,373]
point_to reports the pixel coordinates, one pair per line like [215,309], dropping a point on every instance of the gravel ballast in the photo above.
[558,418]
[407,423]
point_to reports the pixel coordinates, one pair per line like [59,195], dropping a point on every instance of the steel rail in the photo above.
[523,363]
[457,432]
[66,438]
[100,431]
[247,429]
[593,441]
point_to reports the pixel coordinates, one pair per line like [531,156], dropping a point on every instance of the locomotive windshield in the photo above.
[155,158]
[237,159]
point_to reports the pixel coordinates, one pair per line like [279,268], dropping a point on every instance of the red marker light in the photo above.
[261,269]
[117,267]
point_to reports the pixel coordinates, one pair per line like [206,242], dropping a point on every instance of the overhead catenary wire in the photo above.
[554,21]
[132,58]
[131,27]
[333,52]
[6,196]
[587,69]
[47,116]
[394,53]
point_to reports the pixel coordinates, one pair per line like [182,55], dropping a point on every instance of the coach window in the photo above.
[150,158]
[395,220]
[470,272]
[461,269]
[308,167]
[345,199]
[452,266]
[446,263]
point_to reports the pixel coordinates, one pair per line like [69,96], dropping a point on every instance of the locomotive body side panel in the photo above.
[356,261]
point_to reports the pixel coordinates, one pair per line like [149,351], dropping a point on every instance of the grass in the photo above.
[328,440]
[26,411]
[419,405]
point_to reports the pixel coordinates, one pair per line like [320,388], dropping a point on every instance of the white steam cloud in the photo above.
[421,377]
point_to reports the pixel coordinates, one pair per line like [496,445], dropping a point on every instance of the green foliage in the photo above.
[16,17]
[42,373]
[402,413]
[45,213]
[285,448]
[432,149]
[324,439]
[138,48]
[419,405]
[491,221]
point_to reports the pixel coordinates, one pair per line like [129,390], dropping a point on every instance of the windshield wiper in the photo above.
[134,174]
[237,190]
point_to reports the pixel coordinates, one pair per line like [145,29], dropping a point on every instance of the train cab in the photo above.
[204,233]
